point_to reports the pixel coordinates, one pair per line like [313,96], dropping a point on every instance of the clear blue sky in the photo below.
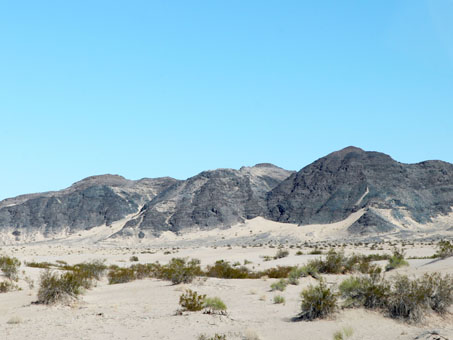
[157,88]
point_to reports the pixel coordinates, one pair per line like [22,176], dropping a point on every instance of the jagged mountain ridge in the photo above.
[215,198]
[388,195]
[91,202]
[333,187]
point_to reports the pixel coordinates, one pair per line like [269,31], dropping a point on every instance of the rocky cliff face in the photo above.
[333,187]
[386,194]
[91,202]
[210,199]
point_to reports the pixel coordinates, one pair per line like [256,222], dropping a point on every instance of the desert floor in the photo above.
[146,309]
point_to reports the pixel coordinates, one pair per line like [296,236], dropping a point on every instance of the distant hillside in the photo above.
[373,193]
[333,187]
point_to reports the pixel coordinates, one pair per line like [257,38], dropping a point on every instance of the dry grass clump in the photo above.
[278,299]
[214,305]
[280,285]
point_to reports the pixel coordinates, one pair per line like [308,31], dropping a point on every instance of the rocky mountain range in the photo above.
[388,194]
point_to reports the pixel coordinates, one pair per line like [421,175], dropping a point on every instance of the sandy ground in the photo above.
[146,309]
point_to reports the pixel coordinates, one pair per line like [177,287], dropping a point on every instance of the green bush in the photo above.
[121,275]
[223,269]
[42,265]
[369,292]
[214,306]
[214,337]
[294,275]
[9,266]
[192,301]
[133,258]
[444,249]
[281,253]
[179,270]
[56,287]
[7,286]
[439,291]
[279,299]
[280,285]
[317,302]
[396,260]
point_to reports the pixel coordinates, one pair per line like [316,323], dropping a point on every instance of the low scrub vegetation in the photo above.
[55,287]
[10,267]
[444,249]
[192,301]
[317,302]
[216,336]
[7,286]
[400,297]
[396,260]
[280,285]
[214,306]
[278,299]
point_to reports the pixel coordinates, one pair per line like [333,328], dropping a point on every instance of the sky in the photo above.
[172,88]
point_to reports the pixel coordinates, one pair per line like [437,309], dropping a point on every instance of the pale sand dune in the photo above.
[145,309]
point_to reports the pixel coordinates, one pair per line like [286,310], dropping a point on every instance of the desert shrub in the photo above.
[437,291]
[406,300]
[279,299]
[42,265]
[216,336]
[223,269]
[309,270]
[281,253]
[444,249]
[345,333]
[280,285]
[299,253]
[90,270]
[214,306]
[315,251]
[192,301]
[54,287]
[396,260]
[133,258]
[9,266]
[7,286]
[120,275]
[279,272]
[294,275]
[369,292]
[317,302]
[179,270]
[146,270]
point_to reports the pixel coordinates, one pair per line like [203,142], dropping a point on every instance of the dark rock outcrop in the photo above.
[210,199]
[333,187]
[88,203]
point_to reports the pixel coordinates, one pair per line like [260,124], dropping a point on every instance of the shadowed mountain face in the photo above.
[88,203]
[388,194]
[333,187]
[210,199]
